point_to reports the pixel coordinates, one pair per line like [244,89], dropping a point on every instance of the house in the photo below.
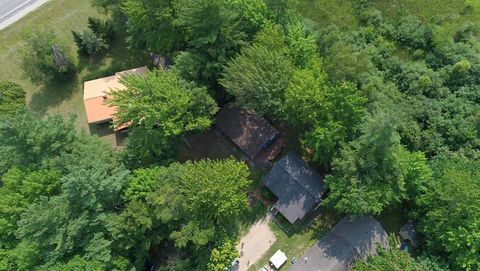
[248,131]
[95,95]
[298,187]
[348,241]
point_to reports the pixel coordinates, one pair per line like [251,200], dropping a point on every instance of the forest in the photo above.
[387,108]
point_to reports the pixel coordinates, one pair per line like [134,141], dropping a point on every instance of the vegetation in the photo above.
[397,260]
[12,98]
[44,59]
[383,97]
[159,107]
[96,39]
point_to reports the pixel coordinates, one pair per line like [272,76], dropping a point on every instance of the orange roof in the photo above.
[95,95]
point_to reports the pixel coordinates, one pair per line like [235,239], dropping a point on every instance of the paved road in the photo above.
[13,10]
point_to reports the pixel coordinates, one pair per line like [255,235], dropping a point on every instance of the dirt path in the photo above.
[255,244]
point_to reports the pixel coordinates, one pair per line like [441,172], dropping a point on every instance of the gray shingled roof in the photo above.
[299,188]
[347,242]
[247,130]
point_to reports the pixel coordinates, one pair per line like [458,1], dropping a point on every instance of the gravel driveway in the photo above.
[255,244]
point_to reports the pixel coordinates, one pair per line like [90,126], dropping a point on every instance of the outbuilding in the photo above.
[298,187]
[349,240]
[96,94]
[250,132]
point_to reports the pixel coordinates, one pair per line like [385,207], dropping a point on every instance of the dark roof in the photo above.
[409,232]
[299,188]
[247,130]
[346,243]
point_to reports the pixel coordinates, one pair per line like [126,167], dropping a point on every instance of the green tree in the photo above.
[210,43]
[449,212]
[12,98]
[302,47]
[329,114]
[221,257]
[370,172]
[44,58]
[20,189]
[89,43]
[159,107]
[283,11]
[77,264]
[259,75]
[77,221]
[29,141]
[394,259]
[151,25]
[306,101]
[96,38]
[203,199]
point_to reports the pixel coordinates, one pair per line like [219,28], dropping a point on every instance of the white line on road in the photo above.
[20,12]
[15,9]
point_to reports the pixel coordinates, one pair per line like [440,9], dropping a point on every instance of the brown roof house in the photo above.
[95,94]
[349,241]
[250,132]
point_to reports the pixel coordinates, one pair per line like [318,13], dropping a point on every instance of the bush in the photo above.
[414,33]
[88,43]
[96,38]
[12,98]
[44,58]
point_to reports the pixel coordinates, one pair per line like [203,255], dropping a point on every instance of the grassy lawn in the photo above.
[321,13]
[450,15]
[62,16]
[296,243]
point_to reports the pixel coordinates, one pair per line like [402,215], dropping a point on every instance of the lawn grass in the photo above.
[449,15]
[63,17]
[321,13]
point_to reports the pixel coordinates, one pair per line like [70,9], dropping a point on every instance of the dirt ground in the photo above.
[255,244]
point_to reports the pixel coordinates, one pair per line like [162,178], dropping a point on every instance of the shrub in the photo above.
[44,58]
[12,98]
[96,38]
[414,33]
[88,43]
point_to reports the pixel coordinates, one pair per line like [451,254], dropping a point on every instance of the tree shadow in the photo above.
[118,58]
[52,94]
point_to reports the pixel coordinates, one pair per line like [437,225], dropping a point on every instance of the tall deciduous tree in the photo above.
[330,114]
[449,212]
[211,43]
[159,107]
[151,25]
[371,172]
[20,189]
[259,75]
[394,259]
[29,141]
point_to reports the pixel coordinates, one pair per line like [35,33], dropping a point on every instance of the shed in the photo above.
[409,232]
[348,241]
[298,187]
[95,95]
[278,259]
[250,132]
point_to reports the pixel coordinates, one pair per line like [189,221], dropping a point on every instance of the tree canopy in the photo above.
[12,98]
[449,211]
[159,107]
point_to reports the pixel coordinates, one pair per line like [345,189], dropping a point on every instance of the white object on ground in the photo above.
[278,259]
